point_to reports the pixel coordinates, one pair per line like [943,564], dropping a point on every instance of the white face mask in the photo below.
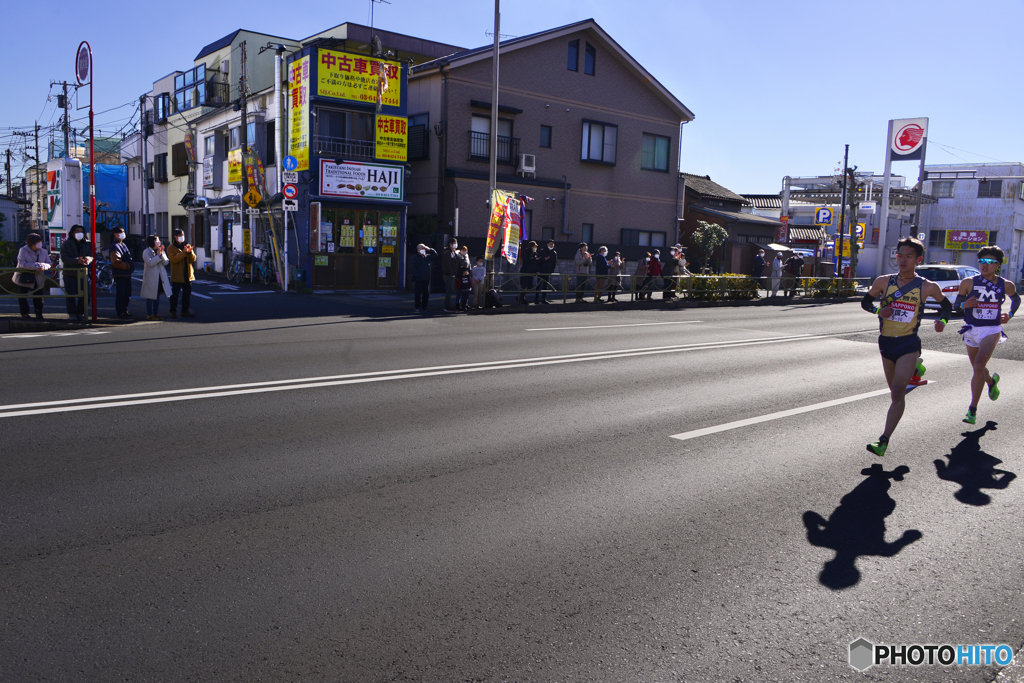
[423,252]
[179,239]
[79,236]
[119,235]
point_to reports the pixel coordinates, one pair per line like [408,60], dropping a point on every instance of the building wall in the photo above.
[535,80]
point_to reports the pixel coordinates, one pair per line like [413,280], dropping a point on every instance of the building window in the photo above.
[160,168]
[642,238]
[209,145]
[588,233]
[161,107]
[545,136]
[480,140]
[547,234]
[937,238]
[190,88]
[992,235]
[574,55]
[599,142]
[419,138]
[235,137]
[943,189]
[179,159]
[654,156]
[588,64]
[990,188]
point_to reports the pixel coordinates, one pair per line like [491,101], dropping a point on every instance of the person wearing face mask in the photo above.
[122,265]
[529,262]
[451,266]
[601,269]
[422,264]
[548,265]
[33,257]
[640,278]
[183,272]
[75,255]
[154,276]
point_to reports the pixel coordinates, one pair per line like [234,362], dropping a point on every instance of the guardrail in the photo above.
[689,287]
[9,289]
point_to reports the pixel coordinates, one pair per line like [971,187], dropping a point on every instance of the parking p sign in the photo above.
[823,216]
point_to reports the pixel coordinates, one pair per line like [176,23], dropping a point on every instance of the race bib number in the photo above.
[987,311]
[903,312]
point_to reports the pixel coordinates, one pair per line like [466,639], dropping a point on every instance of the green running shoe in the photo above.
[993,391]
[920,369]
[971,417]
[878,447]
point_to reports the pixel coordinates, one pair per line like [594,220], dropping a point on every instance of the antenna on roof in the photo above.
[501,36]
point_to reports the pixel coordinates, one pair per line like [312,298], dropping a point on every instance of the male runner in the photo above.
[981,299]
[903,296]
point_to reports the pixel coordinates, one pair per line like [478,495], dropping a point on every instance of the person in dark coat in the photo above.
[75,257]
[548,265]
[670,269]
[422,264]
[122,264]
[529,262]
[601,268]
[759,265]
[451,266]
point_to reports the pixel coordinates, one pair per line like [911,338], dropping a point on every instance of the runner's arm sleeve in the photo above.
[868,304]
[1014,304]
[947,310]
[958,305]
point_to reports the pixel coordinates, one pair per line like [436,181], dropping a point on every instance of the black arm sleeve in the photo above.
[868,303]
[1014,304]
[958,305]
[947,309]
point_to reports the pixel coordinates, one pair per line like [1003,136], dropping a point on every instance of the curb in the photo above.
[656,304]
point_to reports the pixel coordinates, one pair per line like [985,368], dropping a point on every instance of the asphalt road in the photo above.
[500,498]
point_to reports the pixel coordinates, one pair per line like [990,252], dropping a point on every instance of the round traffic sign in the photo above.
[290,191]
[83,63]
[290,163]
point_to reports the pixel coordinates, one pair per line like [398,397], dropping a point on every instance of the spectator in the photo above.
[183,272]
[548,265]
[465,285]
[583,260]
[421,271]
[451,264]
[529,262]
[794,269]
[154,276]
[479,277]
[671,270]
[615,265]
[75,256]
[34,257]
[601,268]
[122,265]
[653,271]
[640,277]
[776,273]
[759,265]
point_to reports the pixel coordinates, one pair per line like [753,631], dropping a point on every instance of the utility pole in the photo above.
[62,103]
[243,106]
[39,189]
[494,130]
[145,167]
[7,167]
[842,217]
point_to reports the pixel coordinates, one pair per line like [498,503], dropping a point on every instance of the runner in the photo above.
[903,296]
[981,299]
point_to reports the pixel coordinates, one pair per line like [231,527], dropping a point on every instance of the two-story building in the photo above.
[584,131]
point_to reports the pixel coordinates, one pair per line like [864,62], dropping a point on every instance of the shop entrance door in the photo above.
[359,250]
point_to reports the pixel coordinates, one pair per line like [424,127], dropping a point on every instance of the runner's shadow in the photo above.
[973,469]
[857,527]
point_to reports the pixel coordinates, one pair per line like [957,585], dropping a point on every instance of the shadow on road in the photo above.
[973,468]
[857,527]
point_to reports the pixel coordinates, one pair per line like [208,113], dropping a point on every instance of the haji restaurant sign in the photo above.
[361,181]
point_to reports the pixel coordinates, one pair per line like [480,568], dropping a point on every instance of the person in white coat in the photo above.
[776,273]
[154,276]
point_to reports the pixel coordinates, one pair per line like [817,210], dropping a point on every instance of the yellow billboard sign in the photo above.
[392,137]
[299,80]
[846,241]
[235,166]
[355,77]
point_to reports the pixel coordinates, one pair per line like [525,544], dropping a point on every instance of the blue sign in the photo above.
[290,163]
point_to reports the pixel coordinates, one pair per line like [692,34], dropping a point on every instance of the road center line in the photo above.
[595,327]
[70,405]
[684,436]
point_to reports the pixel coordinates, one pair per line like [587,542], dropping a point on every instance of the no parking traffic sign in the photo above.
[290,191]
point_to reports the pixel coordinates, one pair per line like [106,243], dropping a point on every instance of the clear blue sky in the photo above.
[777,87]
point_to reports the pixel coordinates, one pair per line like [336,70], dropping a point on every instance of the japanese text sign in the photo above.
[966,240]
[392,137]
[299,80]
[355,77]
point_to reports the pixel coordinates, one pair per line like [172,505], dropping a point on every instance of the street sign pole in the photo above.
[83,71]
[842,217]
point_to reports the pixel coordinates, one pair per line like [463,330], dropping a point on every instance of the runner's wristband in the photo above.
[868,304]
[947,310]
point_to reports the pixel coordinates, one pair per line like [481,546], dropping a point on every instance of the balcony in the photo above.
[480,147]
[344,148]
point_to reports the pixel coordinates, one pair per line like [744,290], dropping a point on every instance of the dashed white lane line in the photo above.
[595,327]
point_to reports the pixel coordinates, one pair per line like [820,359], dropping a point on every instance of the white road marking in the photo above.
[684,436]
[191,394]
[201,296]
[229,293]
[595,327]
[29,335]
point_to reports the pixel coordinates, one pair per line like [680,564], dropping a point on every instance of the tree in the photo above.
[852,187]
[708,237]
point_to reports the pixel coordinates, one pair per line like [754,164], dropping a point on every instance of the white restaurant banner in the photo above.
[361,181]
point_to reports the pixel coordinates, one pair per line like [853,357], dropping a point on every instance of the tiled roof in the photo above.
[764,201]
[703,185]
[217,44]
[806,234]
[739,217]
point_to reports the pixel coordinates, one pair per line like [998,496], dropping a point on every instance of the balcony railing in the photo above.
[344,148]
[480,147]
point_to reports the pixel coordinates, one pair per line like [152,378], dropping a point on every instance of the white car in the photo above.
[946,277]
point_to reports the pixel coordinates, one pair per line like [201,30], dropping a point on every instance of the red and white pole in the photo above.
[83,71]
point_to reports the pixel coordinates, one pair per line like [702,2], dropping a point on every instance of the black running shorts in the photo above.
[894,348]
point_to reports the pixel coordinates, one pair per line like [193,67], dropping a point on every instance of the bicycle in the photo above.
[263,267]
[104,276]
[236,270]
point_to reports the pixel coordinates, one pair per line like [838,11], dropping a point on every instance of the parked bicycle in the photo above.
[263,266]
[104,275]
[236,270]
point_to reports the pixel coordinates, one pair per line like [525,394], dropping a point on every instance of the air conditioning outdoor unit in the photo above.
[528,164]
[224,65]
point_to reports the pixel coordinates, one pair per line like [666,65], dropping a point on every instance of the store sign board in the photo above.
[235,166]
[299,102]
[392,137]
[354,77]
[966,240]
[361,181]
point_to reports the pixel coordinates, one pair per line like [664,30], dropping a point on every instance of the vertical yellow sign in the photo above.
[299,80]
[392,137]
[235,166]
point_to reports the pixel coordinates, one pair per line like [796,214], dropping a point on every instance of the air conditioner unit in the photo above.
[224,64]
[528,164]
